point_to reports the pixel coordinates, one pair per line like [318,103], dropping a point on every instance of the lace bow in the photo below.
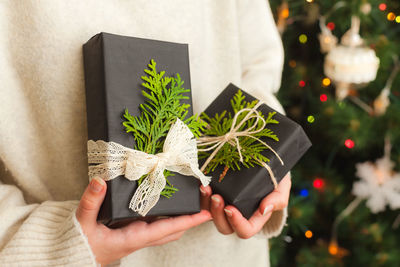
[179,155]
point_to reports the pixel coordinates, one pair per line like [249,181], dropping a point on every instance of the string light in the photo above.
[318,183]
[326,82]
[333,248]
[284,13]
[382,7]
[349,143]
[292,63]
[323,97]
[391,16]
[308,234]
[310,119]
[310,1]
[303,38]
[398,19]
[330,26]
[302,83]
[304,193]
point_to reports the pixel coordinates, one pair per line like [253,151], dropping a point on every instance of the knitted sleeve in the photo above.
[40,235]
[262,62]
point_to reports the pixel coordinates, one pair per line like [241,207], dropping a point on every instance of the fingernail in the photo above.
[96,185]
[203,192]
[267,209]
[228,212]
[215,201]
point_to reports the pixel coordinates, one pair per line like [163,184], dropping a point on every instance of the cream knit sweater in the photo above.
[43,134]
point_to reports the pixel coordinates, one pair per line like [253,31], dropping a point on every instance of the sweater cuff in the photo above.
[50,236]
[275,224]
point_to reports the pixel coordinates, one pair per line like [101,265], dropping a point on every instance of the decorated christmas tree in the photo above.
[342,83]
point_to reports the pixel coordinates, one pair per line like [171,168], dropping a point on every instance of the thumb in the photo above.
[91,201]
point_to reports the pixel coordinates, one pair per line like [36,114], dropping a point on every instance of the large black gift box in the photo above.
[113,68]
[246,188]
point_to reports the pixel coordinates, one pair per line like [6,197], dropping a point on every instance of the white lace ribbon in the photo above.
[179,155]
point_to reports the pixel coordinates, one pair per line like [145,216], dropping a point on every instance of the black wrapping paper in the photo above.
[246,188]
[113,68]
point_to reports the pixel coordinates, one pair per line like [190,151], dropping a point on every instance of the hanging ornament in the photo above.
[283,14]
[382,102]
[379,184]
[366,8]
[351,64]
[327,40]
[312,15]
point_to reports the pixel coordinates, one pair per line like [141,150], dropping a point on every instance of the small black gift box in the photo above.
[246,188]
[113,68]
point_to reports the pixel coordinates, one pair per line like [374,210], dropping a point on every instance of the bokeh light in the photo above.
[308,234]
[330,26]
[349,143]
[333,249]
[326,81]
[318,183]
[285,13]
[391,16]
[304,192]
[303,38]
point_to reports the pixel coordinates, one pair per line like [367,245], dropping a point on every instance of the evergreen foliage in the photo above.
[251,149]
[367,239]
[158,113]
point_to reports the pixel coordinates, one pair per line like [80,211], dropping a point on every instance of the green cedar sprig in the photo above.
[251,149]
[163,105]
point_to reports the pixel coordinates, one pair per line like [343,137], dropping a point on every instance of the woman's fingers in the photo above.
[167,239]
[279,198]
[164,227]
[90,202]
[246,228]
[205,193]
[276,200]
[110,244]
[218,214]
[157,230]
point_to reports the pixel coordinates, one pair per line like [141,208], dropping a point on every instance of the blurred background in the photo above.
[341,82]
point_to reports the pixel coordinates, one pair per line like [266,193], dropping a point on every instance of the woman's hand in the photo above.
[109,245]
[228,219]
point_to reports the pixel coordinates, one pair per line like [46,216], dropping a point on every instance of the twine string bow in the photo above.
[232,138]
[179,155]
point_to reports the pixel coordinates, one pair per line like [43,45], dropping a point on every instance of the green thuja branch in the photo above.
[163,105]
[251,149]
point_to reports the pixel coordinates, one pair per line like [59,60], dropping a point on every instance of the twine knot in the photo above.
[231,137]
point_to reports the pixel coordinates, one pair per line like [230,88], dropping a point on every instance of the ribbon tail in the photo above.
[270,172]
[205,180]
[270,148]
[148,193]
